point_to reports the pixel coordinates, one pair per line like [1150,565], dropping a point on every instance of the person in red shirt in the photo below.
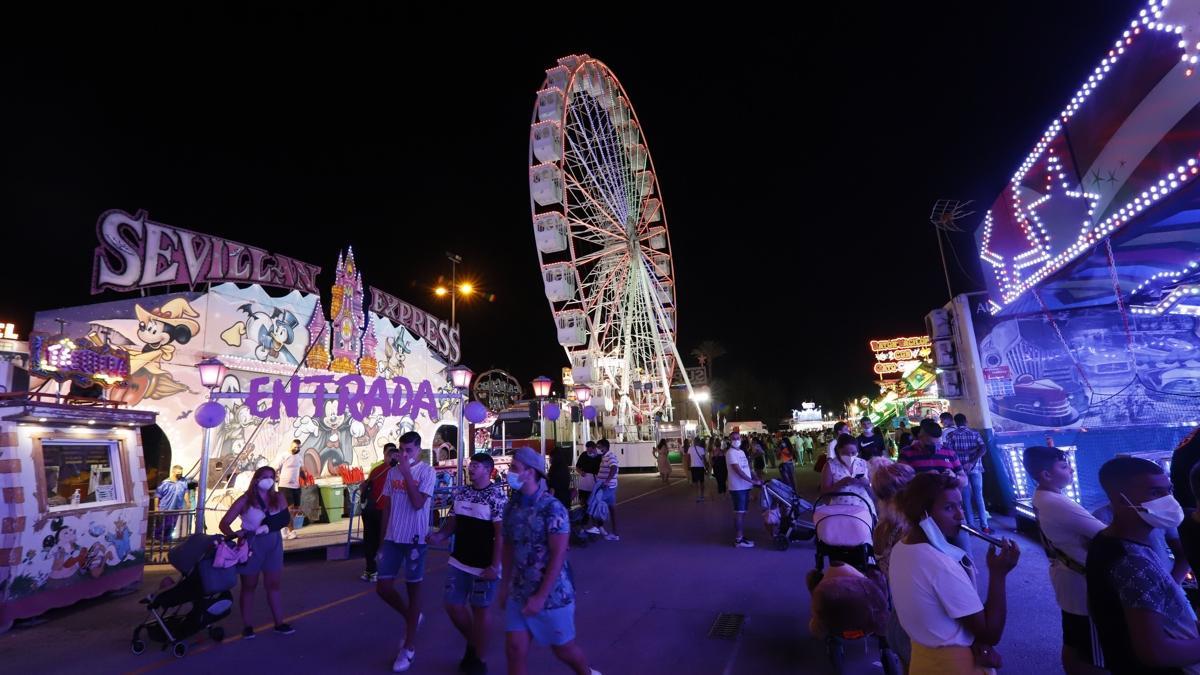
[375,504]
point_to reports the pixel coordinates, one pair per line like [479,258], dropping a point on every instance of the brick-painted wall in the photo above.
[12,505]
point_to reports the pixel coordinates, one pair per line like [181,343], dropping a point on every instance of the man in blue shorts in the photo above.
[409,486]
[476,512]
[536,591]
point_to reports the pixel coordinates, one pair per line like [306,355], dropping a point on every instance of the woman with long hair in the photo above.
[787,463]
[264,512]
[847,472]
[662,453]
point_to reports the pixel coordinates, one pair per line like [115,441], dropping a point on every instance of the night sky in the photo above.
[798,157]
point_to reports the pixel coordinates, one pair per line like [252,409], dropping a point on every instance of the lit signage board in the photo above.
[79,359]
[897,356]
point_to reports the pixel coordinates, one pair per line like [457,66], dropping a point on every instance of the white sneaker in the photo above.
[611,537]
[593,530]
[595,672]
[404,660]
[743,543]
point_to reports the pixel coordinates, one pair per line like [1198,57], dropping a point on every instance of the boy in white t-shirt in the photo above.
[696,462]
[1067,530]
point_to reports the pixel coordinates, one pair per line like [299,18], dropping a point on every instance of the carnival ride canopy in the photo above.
[1118,166]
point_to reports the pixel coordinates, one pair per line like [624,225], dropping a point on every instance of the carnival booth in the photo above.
[343,381]
[73,501]
[1087,337]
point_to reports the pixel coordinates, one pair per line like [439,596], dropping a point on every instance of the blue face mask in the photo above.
[514,481]
[938,540]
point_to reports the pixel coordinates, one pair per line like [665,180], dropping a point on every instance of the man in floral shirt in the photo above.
[536,591]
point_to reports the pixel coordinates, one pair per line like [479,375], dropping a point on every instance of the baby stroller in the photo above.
[196,602]
[792,526]
[854,604]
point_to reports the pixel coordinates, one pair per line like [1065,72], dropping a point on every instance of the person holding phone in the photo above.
[847,473]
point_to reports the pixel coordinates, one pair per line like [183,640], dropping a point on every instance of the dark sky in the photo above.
[798,157]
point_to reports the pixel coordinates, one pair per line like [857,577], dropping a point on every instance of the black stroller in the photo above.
[795,514]
[197,602]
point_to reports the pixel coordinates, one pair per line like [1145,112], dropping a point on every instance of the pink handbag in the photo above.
[229,556]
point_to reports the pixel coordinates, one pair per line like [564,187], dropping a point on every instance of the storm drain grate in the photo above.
[727,626]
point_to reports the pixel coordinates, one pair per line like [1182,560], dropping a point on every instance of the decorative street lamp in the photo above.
[460,377]
[208,415]
[541,389]
[212,372]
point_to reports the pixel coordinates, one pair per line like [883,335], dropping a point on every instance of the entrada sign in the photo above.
[352,394]
[136,252]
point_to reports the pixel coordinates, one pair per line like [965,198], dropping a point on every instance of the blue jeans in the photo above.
[974,510]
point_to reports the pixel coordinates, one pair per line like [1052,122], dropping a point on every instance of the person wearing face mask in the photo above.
[288,467]
[847,473]
[409,487]
[536,591]
[264,514]
[741,480]
[172,495]
[1143,619]
[933,584]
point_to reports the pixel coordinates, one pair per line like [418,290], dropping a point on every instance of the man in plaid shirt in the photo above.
[969,446]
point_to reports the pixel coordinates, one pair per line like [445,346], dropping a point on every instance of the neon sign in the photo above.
[78,359]
[900,343]
[8,331]
[900,355]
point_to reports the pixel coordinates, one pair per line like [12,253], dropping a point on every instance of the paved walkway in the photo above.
[645,605]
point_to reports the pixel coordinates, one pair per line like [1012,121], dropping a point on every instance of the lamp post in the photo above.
[541,389]
[212,373]
[583,394]
[460,377]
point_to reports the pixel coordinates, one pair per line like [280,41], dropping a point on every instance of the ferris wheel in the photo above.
[602,241]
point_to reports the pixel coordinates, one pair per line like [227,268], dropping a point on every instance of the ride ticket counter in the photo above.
[73,501]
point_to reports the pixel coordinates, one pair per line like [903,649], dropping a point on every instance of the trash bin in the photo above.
[333,501]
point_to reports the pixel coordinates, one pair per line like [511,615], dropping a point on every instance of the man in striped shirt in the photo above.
[409,486]
[928,453]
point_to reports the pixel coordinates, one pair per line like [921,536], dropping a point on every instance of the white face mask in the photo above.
[266,483]
[735,444]
[1162,513]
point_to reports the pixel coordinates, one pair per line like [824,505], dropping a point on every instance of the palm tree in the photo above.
[706,353]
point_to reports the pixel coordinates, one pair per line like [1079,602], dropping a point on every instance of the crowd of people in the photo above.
[1117,572]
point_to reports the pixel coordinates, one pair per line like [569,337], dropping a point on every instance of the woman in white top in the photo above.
[933,584]
[847,472]
[264,512]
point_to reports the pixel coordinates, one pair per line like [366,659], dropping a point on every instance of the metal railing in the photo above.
[165,530]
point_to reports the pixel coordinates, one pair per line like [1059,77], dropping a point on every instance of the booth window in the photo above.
[89,468]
